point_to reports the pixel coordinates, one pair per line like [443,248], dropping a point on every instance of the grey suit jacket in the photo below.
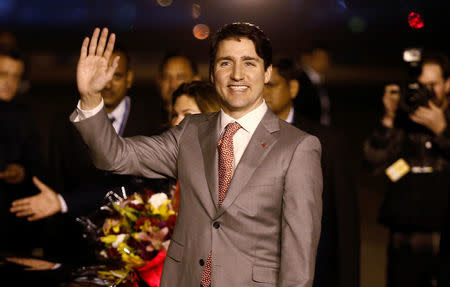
[266,231]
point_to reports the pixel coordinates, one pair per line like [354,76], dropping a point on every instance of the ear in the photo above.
[267,74]
[447,86]
[294,86]
[130,78]
[211,78]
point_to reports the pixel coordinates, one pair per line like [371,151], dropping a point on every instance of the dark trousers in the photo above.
[412,260]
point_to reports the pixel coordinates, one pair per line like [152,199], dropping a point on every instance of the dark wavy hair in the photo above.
[202,92]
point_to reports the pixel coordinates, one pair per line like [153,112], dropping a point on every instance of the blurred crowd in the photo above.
[40,199]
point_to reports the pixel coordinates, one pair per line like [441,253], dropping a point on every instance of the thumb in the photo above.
[432,105]
[40,185]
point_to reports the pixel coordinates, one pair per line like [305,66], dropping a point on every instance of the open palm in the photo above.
[93,70]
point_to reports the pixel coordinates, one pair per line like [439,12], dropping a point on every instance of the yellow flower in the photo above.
[109,239]
[164,210]
[131,260]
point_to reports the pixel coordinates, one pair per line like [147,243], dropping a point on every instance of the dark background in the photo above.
[365,37]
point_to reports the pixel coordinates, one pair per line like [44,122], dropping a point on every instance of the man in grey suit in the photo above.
[251,184]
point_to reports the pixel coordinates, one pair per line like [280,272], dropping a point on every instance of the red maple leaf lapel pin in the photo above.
[264,144]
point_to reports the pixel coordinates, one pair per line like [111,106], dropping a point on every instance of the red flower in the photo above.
[141,221]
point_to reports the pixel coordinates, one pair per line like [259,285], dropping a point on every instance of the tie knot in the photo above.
[229,132]
[231,129]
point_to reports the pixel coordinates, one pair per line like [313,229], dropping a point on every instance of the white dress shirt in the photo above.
[249,123]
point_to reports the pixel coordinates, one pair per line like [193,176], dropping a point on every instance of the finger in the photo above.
[110,46]
[102,42]
[17,260]
[417,119]
[35,217]
[40,185]
[93,44]
[16,209]
[21,202]
[432,105]
[84,47]
[112,68]
[25,213]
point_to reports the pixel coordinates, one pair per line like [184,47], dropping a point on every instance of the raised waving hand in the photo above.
[94,70]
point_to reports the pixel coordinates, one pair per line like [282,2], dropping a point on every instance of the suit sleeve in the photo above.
[153,157]
[301,215]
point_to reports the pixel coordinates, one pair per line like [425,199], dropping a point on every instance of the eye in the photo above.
[224,63]
[250,64]
[117,76]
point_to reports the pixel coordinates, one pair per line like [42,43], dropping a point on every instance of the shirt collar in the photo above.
[290,117]
[248,122]
[313,75]
[119,111]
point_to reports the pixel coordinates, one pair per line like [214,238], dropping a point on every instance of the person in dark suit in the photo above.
[20,156]
[76,187]
[313,100]
[338,252]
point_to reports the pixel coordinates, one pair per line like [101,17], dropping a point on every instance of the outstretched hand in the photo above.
[32,263]
[93,71]
[38,206]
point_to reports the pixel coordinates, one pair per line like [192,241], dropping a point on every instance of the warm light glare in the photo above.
[195,11]
[415,20]
[164,3]
[201,31]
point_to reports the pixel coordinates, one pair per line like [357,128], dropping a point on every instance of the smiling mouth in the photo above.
[238,88]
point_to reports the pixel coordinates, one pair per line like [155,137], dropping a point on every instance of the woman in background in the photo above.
[193,98]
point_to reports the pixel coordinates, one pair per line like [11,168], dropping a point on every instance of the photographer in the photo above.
[411,145]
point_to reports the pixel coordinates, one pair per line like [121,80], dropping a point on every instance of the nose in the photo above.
[237,73]
[108,85]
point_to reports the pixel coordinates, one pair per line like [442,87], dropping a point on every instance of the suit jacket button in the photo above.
[216,225]
[202,262]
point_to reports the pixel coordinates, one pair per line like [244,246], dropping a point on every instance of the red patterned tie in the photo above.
[226,157]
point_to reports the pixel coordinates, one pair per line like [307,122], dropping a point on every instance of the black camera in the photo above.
[413,94]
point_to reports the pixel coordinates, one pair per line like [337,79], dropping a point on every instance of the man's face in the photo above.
[117,88]
[279,93]
[176,71]
[433,78]
[11,71]
[239,76]
[321,61]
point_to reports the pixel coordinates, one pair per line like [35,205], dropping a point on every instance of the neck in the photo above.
[239,113]
[284,113]
[110,109]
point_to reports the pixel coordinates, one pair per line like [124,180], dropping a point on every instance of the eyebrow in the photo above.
[245,58]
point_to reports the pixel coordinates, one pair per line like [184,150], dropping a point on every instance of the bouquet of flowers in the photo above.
[135,237]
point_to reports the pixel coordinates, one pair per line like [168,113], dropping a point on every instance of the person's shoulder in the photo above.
[291,135]
[199,118]
[292,131]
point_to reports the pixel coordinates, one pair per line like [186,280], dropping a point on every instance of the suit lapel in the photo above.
[258,148]
[208,135]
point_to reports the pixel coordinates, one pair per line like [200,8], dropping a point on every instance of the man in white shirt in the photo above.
[250,184]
